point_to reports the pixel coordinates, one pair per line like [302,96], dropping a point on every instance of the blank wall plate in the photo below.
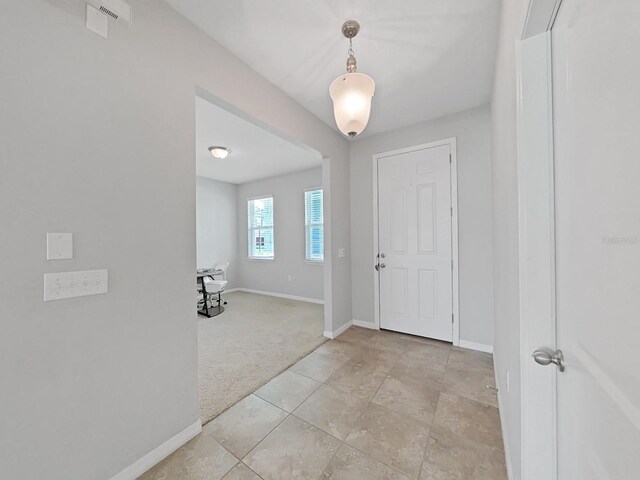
[58,286]
[59,246]
[97,21]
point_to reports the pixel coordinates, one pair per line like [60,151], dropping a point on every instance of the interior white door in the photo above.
[596,79]
[414,242]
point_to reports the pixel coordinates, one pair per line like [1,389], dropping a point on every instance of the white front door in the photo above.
[414,242]
[596,98]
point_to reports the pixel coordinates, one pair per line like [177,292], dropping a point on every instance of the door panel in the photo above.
[596,74]
[399,293]
[426,219]
[428,293]
[414,208]
[398,218]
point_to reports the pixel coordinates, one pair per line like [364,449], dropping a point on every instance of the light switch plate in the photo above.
[59,246]
[341,252]
[58,286]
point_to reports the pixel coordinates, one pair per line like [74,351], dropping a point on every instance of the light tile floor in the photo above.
[370,405]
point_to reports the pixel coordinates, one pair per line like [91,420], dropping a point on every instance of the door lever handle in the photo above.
[544,356]
[377,267]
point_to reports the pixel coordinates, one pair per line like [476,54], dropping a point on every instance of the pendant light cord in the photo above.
[351,60]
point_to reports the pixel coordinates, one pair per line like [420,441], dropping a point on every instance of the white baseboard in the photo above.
[280,295]
[476,346]
[156,455]
[463,343]
[363,324]
[338,331]
[505,443]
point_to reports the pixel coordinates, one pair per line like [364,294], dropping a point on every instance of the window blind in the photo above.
[260,228]
[314,225]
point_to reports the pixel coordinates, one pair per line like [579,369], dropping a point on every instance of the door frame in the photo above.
[454,228]
[328,273]
[536,238]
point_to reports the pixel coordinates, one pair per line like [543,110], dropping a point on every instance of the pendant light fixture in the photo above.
[351,92]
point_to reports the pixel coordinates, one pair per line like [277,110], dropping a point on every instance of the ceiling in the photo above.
[429,58]
[255,153]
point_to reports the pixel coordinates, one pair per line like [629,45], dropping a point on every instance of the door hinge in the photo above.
[450,160]
[452,321]
[451,264]
[452,211]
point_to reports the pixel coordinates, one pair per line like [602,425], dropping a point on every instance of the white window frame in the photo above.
[251,230]
[307,227]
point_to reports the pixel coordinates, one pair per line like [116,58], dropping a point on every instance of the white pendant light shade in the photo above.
[351,94]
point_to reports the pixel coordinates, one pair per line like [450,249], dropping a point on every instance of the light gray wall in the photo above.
[288,203]
[98,139]
[472,129]
[217,226]
[505,232]
[340,233]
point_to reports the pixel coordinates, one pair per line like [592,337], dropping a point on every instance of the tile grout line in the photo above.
[305,398]
[342,443]
[388,376]
[291,414]
[256,473]
[428,434]
[426,448]
[370,402]
[240,462]
[362,356]
[443,387]
[440,391]
[360,416]
[466,439]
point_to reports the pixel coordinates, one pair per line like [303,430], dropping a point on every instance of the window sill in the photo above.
[319,263]
[260,259]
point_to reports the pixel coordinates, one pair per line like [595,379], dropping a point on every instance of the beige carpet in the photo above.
[255,339]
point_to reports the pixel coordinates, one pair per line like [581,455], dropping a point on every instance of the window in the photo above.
[314,225]
[260,228]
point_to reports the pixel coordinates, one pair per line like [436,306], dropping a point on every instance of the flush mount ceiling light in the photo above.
[219,152]
[351,92]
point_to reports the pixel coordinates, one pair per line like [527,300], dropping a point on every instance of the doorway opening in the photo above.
[260,254]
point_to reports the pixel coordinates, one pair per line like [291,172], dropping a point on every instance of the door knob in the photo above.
[544,356]
[382,255]
[382,265]
[377,267]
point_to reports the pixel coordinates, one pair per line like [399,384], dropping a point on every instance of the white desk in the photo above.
[208,272]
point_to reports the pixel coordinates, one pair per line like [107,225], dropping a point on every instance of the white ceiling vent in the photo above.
[99,12]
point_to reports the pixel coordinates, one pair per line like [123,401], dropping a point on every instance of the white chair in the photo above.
[223,266]
[211,289]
